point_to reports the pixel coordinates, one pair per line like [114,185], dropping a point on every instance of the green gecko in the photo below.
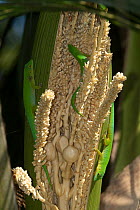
[105,155]
[82,59]
[30,103]
[29,95]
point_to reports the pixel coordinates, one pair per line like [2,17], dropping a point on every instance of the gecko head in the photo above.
[98,175]
[29,65]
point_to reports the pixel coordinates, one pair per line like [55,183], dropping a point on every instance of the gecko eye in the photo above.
[100,176]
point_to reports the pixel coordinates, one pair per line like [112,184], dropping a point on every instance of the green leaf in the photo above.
[94,197]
